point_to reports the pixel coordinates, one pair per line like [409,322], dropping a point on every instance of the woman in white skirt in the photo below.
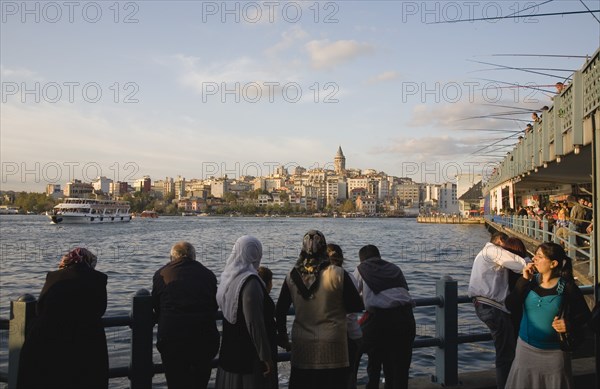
[539,362]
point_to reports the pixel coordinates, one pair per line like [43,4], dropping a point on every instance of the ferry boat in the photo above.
[7,210]
[86,211]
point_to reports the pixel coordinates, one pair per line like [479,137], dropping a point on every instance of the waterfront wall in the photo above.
[450,219]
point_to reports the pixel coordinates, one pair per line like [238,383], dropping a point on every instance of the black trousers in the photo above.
[187,363]
[319,378]
[388,336]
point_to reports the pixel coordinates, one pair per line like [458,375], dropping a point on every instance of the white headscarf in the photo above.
[242,263]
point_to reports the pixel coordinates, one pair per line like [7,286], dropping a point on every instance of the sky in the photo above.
[200,89]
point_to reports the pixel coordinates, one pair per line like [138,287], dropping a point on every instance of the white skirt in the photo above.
[535,368]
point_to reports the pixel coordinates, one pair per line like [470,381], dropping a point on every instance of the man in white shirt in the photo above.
[488,287]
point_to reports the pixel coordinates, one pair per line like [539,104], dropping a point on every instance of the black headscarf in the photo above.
[312,260]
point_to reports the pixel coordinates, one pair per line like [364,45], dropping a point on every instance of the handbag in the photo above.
[575,335]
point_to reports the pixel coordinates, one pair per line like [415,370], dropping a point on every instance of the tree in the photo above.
[230,198]
[348,206]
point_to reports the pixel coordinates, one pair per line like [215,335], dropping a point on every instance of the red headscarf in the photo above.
[78,255]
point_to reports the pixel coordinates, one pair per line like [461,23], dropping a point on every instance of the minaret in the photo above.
[339,162]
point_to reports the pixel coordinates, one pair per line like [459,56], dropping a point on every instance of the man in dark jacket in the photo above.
[389,325]
[184,298]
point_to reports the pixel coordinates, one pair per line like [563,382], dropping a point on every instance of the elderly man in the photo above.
[488,287]
[184,299]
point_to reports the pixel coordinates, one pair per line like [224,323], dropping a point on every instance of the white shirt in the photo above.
[489,278]
[354,331]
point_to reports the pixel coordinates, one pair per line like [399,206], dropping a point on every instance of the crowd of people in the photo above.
[66,347]
[572,213]
[521,300]
[529,305]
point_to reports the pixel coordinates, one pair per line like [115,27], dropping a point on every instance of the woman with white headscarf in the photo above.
[246,358]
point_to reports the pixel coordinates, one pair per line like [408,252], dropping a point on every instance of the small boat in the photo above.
[149,214]
[89,211]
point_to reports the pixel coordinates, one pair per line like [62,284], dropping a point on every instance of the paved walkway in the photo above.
[583,372]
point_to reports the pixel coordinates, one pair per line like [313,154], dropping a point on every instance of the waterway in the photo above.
[130,253]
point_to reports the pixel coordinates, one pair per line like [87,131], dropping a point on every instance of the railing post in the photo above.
[22,312]
[592,257]
[572,241]
[545,229]
[141,367]
[446,329]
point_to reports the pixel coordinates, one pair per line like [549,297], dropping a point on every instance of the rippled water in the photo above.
[130,253]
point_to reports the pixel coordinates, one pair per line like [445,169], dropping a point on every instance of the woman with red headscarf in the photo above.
[66,345]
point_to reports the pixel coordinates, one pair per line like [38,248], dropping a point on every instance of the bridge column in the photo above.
[22,312]
[446,329]
[142,325]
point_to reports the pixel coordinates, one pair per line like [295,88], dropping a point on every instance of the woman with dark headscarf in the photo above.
[66,345]
[322,295]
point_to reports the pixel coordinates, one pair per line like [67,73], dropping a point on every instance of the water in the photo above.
[130,253]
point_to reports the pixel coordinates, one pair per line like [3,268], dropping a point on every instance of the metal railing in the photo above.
[140,320]
[542,231]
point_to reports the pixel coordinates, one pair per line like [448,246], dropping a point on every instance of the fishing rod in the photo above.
[534,87]
[509,106]
[507,113]
[513,119]
[493,116]
[589,10]
[540,55]
[551,69]
[517,16]
[533,6]
[513,68]
[489,129]
[495,143]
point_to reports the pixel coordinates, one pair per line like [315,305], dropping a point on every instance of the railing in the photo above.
[541,230]
[141,367]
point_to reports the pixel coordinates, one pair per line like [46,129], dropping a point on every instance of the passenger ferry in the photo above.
[6,210]
[86,211]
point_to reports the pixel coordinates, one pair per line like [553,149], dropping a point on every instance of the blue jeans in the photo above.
[503,333]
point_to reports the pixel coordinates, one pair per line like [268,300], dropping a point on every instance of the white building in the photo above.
[447,202]
[102,184]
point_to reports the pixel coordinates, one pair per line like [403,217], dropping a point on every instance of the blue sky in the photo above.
[349,73]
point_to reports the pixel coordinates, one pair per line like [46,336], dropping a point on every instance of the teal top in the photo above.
[536,325]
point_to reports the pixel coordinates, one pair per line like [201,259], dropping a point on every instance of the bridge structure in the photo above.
[559,156]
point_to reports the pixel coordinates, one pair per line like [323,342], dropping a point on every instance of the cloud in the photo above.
[325,54]
[288,39]
[383,77]
[19,74]
[431,147]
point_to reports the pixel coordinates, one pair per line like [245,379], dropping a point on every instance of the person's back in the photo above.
[322,295]
[388,326]
[184,299]
[68,328]
[489,286]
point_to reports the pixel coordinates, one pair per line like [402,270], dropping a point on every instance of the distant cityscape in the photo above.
[340,189]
